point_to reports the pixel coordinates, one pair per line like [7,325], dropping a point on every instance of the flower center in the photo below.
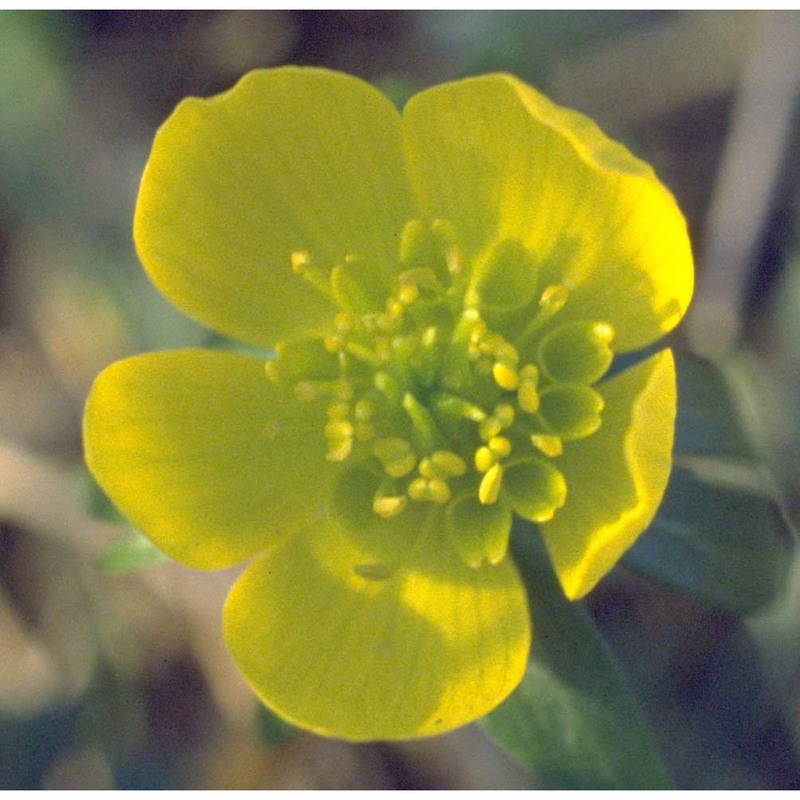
[450,384]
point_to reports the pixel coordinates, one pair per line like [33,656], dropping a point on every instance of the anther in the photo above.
[421,278]
[432,490]
[364,409]
[343,322]
[387,384]
[489,489]
[334,343]
[552,300]
[527,392]
[301,260]
[418,489]
[363,354]
[450,408]
[336,429]
[490,427]
[500,446]
[505,376]
[396,455]
[448,463]
[547,443]
[338,410]
[301,265]
[504,413]
[484,459]
[387,507]
[426,468]
[408,293]
[422,420]
[339,450]
[438,491]
[554,297]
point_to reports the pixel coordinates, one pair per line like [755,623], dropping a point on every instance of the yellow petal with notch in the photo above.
[204,454]
[500,160]
[289,161]
[616,477]
[340,646]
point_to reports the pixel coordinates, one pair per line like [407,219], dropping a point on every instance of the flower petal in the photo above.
[203,453]
[289,160]
[363,654]
[500,160]
[616,477]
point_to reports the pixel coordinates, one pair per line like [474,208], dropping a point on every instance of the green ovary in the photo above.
[452,384]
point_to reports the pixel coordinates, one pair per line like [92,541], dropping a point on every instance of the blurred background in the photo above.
[120,680]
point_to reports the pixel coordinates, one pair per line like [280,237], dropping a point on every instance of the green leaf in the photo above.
[719,535]
[271,729]
[133,552]
[708,422]
[726,546]
[95,500]
[573,721]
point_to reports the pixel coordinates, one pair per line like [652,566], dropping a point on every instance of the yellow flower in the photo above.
[442,290]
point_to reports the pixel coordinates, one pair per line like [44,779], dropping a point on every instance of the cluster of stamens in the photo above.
[421,387]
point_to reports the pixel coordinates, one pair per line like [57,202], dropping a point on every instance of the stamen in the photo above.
[363,354]
[504,413]
[528,392]
[411,363]
[339,433]
[505,376]
[421,278]
[387,507]
[438,490]
[364,409]
[338,410]
[339,450]
[490,427]
[500,446]
[454,408]
[302,266]
[418,490]
[448,463]
[552,300]
[334,343]
[408,293]
[338,429]
[484,459]
[396,455]
[388,385]
[549,444]
[343,322]
[431,490]
[489,489]
[422,420]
